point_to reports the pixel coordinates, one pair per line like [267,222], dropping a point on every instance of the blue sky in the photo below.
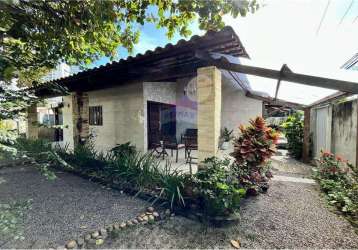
[285,32]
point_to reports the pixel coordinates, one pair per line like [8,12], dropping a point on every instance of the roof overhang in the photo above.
[162,64]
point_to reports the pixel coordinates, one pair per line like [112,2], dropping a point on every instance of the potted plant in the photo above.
[226,137]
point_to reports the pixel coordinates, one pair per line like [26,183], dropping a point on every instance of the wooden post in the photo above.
[80,116]
[306,135]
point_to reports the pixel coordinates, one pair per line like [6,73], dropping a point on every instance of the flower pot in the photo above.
[225,145]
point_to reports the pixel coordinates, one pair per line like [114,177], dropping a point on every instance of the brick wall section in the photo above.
[209,111]
[80,116]
[32,131]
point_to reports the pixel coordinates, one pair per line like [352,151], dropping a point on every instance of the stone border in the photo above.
[98,237]
[189,213]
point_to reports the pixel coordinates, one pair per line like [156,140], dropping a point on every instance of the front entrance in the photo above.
[161,121]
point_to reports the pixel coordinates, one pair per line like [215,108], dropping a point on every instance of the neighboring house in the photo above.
[50,114]
[162,92]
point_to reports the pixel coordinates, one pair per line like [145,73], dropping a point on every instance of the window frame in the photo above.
[95,115]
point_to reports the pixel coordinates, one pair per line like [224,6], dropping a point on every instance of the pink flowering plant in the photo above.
[339,180]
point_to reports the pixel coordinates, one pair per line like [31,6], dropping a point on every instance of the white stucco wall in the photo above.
[67,122]
[125,110]
[236,108]
[123,116]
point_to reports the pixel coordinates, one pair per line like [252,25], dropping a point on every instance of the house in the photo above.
[165,91]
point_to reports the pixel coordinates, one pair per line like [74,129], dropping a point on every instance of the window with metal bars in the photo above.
[95,116]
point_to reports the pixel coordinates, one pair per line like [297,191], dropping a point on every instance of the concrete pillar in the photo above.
[32,131]
[80,116]
[209,111]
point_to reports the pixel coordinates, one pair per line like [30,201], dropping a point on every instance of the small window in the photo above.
[95,116]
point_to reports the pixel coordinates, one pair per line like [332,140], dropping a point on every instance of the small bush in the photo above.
[256,144]
[293,129]
[252,149]
[339,180]
[218,189]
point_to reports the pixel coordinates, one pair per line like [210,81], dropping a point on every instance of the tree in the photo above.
[293,128]
[38,34]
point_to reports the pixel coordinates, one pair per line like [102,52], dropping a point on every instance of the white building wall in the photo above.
[236,108]
[68,126]
[123,116]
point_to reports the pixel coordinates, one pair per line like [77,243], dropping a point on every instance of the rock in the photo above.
[87,237]
[145,218]
[122,225]
[71,244]
[95,235]
[150,209]
[103,232]
[151,218]
[116,226]
[156,215]
[167,212]
[129,223]
[61,248]
[109,228]
[91,242]
[148,213]
[142,215]
[172,215]
[140,219]
[235,243]
[135,221]
[99,242]
[80,242]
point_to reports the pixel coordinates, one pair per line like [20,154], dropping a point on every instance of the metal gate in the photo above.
[323,130]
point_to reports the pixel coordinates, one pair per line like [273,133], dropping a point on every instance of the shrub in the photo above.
[124,166]
[217,188]
[124,149]
[226,135]
[252,149]
[256,144]
[293,129]
[339,180]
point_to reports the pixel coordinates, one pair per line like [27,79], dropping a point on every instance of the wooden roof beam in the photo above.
[289,76]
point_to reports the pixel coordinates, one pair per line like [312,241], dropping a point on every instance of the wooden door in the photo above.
[161,121]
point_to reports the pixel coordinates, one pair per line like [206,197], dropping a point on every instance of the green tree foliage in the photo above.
[37,34]
[293,129]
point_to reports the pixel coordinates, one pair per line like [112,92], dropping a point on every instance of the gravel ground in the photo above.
[63,208]
[290,215]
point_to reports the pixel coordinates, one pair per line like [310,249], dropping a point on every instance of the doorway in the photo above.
[161,121]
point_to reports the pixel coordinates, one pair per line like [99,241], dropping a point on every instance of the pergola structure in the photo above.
[201,57]
[344,88]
